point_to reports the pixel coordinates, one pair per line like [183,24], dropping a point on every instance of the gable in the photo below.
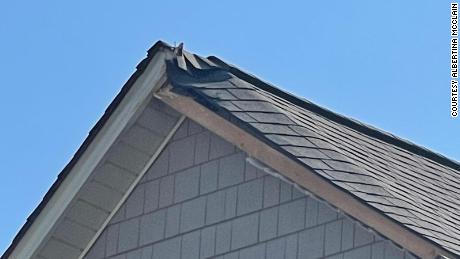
[203,199]
[304,144]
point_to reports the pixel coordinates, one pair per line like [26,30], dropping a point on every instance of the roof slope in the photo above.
[410,184]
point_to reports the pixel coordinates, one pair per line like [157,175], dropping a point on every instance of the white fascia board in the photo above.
[136,98]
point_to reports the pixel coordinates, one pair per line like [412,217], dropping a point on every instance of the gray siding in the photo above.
[201,199]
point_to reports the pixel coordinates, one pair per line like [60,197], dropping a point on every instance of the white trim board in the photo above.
[136,98]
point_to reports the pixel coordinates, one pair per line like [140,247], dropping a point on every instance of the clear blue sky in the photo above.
[61,62]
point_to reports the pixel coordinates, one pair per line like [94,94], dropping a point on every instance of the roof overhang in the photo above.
[76,177]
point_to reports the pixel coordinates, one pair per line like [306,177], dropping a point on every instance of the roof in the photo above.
[410,184]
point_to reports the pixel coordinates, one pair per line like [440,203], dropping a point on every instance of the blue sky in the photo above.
[61,63]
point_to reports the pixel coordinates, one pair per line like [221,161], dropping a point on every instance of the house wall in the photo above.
[201,199]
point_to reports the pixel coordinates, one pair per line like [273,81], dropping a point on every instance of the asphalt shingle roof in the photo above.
[410,184]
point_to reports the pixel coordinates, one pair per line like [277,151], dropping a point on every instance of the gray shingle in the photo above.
[173,215]
[187,184]
[152,227]
[268,224]
[223,237]
[182,154]
[194,213]
[191,245]
[333,237]
[250,196]
[231,170]
[358,253]
[168,249]
[245,231]
[208,239]
[129,234]
[271,191]
[291,217]
[253,252]
[276,248]
[312,240]
[208,178]
[215,207]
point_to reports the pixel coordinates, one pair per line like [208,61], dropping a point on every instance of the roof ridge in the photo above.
[341,119]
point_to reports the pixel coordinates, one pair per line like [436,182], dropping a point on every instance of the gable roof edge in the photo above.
[302,175]
[99,139]
[341,119]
